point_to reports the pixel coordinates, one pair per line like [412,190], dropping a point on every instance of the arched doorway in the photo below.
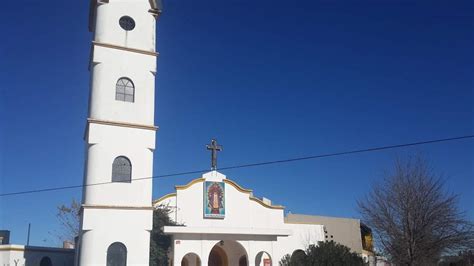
[228,252]
[263,259]
[191,259]
[243,261]
[45,261]
[218,257]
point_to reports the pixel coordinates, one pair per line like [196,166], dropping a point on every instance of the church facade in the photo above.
[221,223]
[218,222]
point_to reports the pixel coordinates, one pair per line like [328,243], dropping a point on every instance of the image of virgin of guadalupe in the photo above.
[215,197]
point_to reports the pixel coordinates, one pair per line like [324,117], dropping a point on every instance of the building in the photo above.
[221,223]
[21,255]
[346,231]
[116,217]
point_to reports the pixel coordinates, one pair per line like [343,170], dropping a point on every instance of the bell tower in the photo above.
[116,214]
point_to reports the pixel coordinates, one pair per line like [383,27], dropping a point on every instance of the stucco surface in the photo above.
[250,227]
[119,212]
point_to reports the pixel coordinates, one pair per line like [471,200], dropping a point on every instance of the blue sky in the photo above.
[269,79]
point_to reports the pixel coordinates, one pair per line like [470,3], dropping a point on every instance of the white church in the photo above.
[224,224]
[219,222]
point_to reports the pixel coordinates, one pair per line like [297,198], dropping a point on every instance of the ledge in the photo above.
[128,49]
[121,124]
[163,198]
[171,230]
[195,181]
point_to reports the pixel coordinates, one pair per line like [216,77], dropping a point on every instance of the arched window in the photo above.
[263,258]
[125,90]
[121,170]
[117,254]
[46,261]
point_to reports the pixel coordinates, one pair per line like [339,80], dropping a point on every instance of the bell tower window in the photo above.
[127,23]
[122,170]
[125,90]
[117,254]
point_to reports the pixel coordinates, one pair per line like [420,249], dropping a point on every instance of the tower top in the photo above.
[156,7]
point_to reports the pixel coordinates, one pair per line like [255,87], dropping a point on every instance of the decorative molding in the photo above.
[227,181]
[279,207]
[198,180]
[121,124]
[164,197]
[154,12]
[84,206]
[249,191]
[238,187]
[123,48]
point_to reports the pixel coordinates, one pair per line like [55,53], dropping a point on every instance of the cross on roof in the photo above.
[214,148]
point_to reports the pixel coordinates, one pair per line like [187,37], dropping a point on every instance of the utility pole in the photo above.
[28,238]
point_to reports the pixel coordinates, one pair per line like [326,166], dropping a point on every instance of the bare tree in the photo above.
[68,217]
[415,219]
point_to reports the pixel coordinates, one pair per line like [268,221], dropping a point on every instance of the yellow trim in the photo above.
[266,205]
[249,191]
[121,124]
[237,186]
[197,180]
[118,47]
[164,197]
[227,181]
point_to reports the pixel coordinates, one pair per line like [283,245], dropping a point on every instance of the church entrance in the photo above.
[226,253]
[217,257]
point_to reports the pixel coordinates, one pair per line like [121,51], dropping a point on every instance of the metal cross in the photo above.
[214,148]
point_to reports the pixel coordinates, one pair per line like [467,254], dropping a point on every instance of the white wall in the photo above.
[19,255]
[108,30]
[119,212]
[242,213]
[102,227]
[105,144]
[107,66]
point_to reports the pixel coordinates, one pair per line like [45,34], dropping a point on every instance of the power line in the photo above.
[253,164]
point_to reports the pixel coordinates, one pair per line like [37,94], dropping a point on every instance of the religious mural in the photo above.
[214,199]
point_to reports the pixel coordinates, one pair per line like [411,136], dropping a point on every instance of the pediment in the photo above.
[215,176]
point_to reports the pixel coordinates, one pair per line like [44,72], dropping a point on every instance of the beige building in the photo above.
[346,231]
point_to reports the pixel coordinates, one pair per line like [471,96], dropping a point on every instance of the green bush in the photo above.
[324,254]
